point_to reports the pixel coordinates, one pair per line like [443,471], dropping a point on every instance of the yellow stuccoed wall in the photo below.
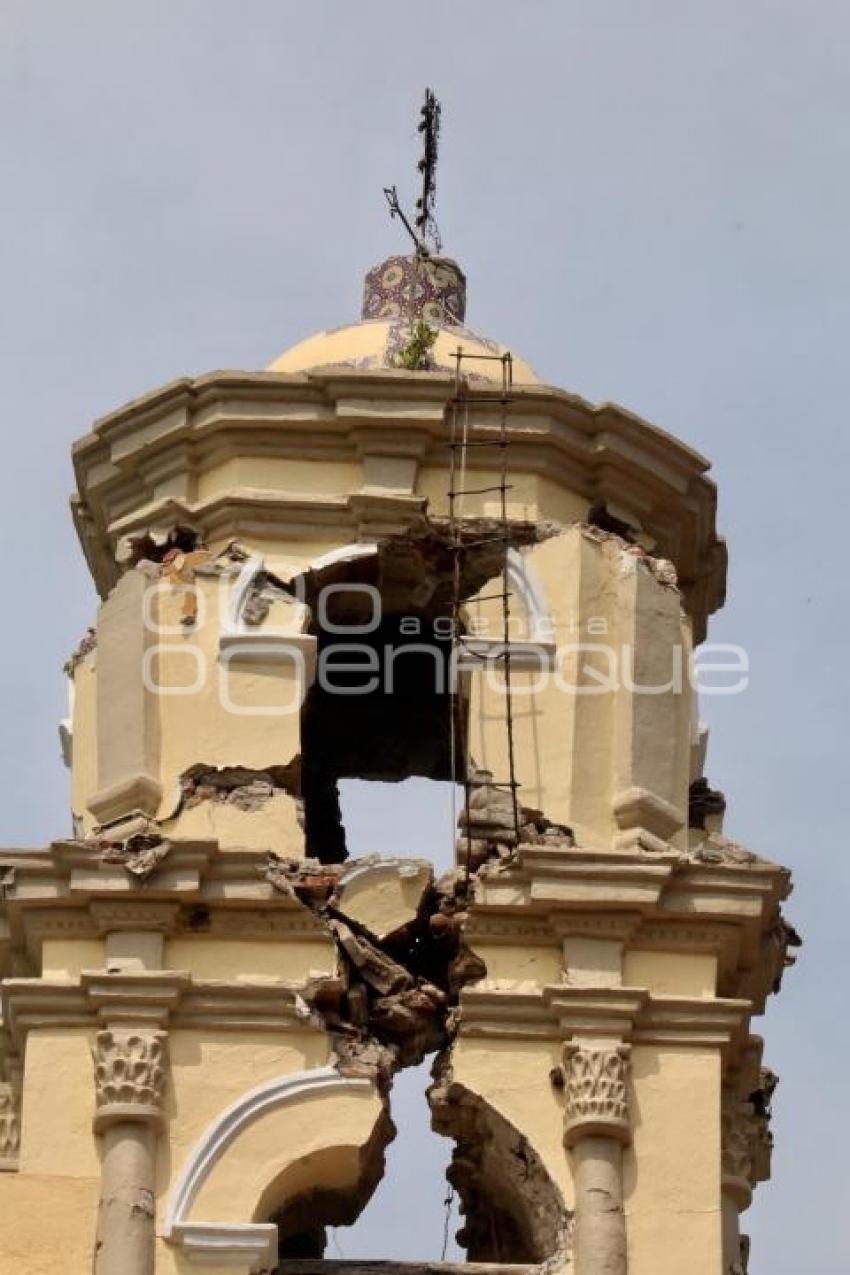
[248,960]
[513,1076]
[672,1170]
[686,974]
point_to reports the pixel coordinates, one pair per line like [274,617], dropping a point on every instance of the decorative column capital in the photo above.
[130,1070]
[597,1091]
[10,1126]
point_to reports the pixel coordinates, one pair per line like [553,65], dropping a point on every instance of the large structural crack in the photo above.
[395,1001]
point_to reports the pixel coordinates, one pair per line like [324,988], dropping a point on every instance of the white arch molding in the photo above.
[241,641]
[256,642]
[522,578]
[238,1244]
[537,650]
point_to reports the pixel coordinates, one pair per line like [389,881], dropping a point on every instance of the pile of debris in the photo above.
[492,829]
[401,966]
[241,786]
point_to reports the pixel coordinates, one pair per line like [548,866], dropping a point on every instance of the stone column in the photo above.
[597,1127]
[130,1074]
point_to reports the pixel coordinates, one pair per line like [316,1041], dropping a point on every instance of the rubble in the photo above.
[662,569]
[247,789]
[394,1002]
[704,802]
[384,896]
[155,544]
[490,829]
[140,854]
[780,939]
[86,644]
[716,848]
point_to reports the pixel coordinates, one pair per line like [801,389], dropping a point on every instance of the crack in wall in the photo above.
[395,1002]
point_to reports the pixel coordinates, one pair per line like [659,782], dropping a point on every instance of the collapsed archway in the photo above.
[309,1199]
[513,1210]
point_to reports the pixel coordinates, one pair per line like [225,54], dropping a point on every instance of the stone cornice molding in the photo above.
[659,902]
[543,879]
[69,892]
[134,995]
[171,998]
[594,1011]
[560,1012]
[70,874]
[112,915]
[96,918]
[615,927]
[646,900]
[340,415]
[494,928]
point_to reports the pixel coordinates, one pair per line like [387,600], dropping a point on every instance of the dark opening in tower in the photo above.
[381,709]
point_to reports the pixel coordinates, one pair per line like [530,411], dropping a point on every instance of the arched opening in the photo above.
[488,1198]
[406,1217]
[313,1200]
[513,1211]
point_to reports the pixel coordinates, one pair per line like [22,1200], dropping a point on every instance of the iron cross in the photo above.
[424,221]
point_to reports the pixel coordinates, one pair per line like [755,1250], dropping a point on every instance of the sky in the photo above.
[651,200]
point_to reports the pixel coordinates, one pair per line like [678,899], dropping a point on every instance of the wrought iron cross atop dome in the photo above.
[424,231]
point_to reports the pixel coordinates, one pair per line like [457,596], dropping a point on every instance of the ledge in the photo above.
[134,456]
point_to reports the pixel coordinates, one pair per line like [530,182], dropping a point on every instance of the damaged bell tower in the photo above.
[394,552]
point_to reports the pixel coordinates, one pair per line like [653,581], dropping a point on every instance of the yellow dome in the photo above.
[399,294]
[376,343]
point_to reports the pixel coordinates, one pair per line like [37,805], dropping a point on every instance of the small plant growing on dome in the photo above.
[415,356]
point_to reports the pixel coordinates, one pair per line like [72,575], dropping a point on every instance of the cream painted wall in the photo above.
[249,960]
[272,1159]
[671,974]
[513,1076]
[277,473]
[67,958]
[532,963]
[672,1171]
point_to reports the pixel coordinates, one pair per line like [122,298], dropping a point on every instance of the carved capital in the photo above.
[130,1069]
[10,1126]
[597,1092]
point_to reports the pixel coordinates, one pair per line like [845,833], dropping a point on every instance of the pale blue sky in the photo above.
[651,199]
